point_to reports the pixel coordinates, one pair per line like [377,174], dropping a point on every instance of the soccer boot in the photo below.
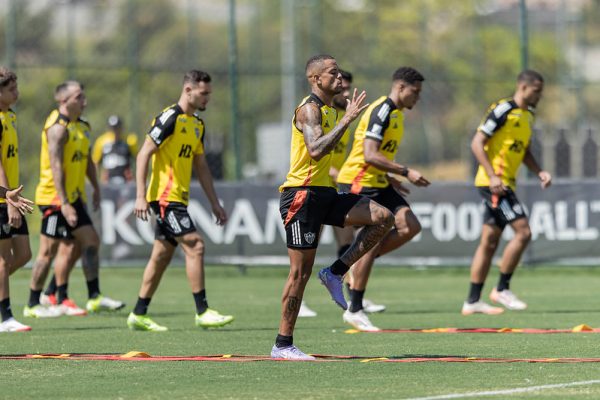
[212,319]
[144,323]
[480,307]
[290,353]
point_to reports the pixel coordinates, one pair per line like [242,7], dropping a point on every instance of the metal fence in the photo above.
[131,55]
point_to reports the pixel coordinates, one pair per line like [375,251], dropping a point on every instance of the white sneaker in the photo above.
[305,311]
[370,307]
[40,311]
[480,307]
[48,300]
[360,321]
[12,325]
[69,308]
[507,299]
[290,353]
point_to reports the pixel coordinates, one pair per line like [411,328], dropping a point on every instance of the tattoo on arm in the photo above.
[317,143]
[57,137]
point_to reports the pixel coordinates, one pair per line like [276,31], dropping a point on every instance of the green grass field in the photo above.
[558,298]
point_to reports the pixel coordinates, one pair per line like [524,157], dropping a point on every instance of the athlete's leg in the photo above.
[406,226]
[301,263]
[515,247]
[5,262]
[162,252]
[66,256]
[193,249]
[41,265]
[377,221]
[482,260]
[21,251]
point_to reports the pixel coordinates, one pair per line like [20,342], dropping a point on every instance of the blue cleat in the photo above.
[334,284]
[290,353]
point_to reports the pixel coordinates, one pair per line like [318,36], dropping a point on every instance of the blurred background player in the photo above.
[64,159]
[367,172]
[113,153]
[500,145]
[14,235]
[176,144]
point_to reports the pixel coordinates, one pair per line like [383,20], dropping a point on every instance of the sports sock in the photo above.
[504,282]
[141,307]
[201,303]
[34,297]
[61,293]
[93,288]
[5,310]
[342,250]
[284,341]
[474,292]
[51,289]
[339,268]
[356,298]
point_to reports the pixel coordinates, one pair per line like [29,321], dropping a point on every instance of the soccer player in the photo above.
[309,200]
[112,153]
[501,145]
[14,235]
[64,159]
[176,144]
[367,172]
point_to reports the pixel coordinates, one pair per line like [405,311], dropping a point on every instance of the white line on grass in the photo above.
[507,391]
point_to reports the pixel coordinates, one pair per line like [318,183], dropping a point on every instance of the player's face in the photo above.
[532,92]
[9,94]
[340,99]
[199,95]
[75,100]
[330,78]
[409,94]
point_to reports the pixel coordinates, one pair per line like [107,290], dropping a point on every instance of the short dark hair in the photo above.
[346,75]
[408,75]
[317,59]
[6,76]
[60,89]
[530,76]
[196,76]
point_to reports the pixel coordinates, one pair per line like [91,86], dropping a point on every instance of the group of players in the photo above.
[359,193]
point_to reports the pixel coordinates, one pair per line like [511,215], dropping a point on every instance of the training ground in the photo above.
[82,357]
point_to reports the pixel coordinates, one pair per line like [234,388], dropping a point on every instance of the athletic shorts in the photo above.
[387,196]
[172,221]
[304,209]
[7,231]
[501,210]
[55,225]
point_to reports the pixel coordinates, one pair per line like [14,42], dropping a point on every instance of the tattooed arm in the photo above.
[308,121]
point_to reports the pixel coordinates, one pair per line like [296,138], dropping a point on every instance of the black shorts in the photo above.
[55,225]
[304,209]
[172,221]
[501,210]
[387,196]
[7,231]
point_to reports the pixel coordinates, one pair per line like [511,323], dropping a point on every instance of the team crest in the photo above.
[185,222]
[518,209]
[6,228]
[197,131]
[309,237]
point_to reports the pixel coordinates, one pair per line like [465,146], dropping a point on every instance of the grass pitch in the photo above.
[558,298]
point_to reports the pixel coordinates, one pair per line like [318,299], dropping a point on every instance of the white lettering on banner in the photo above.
[113,223]
[541,221]
[443,225]
[584,232]
[563,232]
[243,222]
[205,221]
[554,221]
[469,221]
[273,222]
